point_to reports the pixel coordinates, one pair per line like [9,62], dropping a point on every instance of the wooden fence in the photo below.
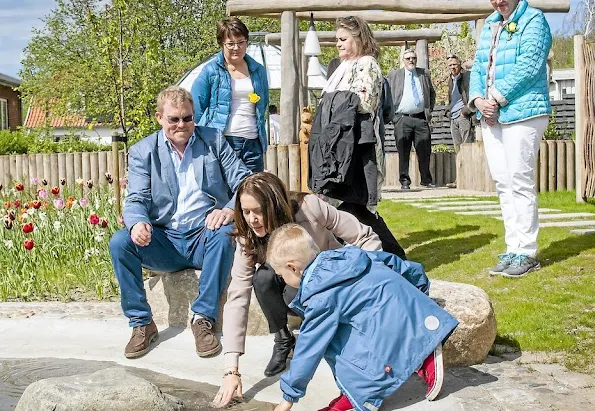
[555,167]
[53,167]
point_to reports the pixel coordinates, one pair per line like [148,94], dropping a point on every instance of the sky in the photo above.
[19,17]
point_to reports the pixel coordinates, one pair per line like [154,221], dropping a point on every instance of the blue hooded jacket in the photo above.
[367,314]
[211,92]
[520,84]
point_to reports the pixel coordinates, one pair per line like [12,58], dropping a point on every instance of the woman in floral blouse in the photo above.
[360,73]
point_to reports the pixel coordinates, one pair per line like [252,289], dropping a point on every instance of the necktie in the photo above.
[416,99]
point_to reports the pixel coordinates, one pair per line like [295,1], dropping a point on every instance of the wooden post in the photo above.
[39,166]
[61,166]
[32,171]
[283,164]
[478,27]
[47,168]
[543,156]
[551,166]
[78,166]
[570,166]
[272,159]
[102,163]
[423,54]
[116,170]
[289,96]
[294,167]
[19,175]
[439,172]
[54,180]
[70,176]
[581,116]
[86,166]
[561,166]
[304,166]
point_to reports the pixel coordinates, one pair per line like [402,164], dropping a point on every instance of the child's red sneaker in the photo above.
[432,372]
[341,403]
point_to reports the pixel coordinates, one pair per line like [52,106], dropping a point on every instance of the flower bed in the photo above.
[54,241]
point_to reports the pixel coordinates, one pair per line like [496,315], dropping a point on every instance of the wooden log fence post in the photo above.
[271,158]
[94,166]
[86,166]
[53,179]
[70,175]
[423,55]
[294,167]
[551,166]
[304,166]
[116,170]
[39,166]
[543,156]
[78,166]
[47,167]
[570,166]
[62,166]
[18,169]
[283,164]
[561,166]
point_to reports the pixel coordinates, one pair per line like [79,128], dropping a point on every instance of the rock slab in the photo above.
[170,296]
[112,389]
[472,340]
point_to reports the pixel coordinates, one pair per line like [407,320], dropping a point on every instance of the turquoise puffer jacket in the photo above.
[211,92]
[521,83]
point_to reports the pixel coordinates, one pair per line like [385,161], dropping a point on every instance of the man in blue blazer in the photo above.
[178,214]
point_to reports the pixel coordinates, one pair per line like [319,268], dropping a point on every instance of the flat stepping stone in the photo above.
[498,212]
[568,223]
[454,203]
[436,199]
[468,207]
[583,231]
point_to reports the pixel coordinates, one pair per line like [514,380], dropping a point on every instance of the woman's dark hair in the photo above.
[230,26]
[359,29]
[278,208]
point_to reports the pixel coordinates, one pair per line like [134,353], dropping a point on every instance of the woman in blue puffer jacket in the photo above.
[231,94]
[509,89]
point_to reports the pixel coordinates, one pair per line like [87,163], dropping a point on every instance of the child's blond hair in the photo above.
[290,242]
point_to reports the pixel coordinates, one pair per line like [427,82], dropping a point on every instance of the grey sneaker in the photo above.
[521,265]
[503,264]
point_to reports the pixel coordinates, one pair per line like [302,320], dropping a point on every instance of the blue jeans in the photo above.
[170,250]
[249,151]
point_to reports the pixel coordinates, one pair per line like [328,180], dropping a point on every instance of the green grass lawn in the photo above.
[550,310]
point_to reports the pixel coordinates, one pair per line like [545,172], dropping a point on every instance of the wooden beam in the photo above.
[289,81]
[387,17]
[380,36]
[581,116]
[260,7]
[380,43]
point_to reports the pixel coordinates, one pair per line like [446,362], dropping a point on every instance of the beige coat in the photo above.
[323,222]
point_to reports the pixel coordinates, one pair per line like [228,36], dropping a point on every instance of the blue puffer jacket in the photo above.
[521,83]
[367,314]
[211,92]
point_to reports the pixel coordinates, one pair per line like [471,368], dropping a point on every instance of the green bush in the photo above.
[13,142]
[40,141]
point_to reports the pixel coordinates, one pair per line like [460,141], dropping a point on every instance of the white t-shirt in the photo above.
[242,114]
[275,121]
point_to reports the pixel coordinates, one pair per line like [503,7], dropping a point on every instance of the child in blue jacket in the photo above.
[366,313]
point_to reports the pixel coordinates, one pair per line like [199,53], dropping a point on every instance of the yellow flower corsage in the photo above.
[254,98]
[510,28]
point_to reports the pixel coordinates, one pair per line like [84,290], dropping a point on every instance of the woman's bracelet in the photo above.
[232,373]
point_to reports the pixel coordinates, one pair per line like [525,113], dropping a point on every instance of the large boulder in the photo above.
[171,294]
[471,341]
[112,389]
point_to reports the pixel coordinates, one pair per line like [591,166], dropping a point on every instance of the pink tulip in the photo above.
[59,203]
[84,202]
[42,193]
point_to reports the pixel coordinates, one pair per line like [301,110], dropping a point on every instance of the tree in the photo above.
[109,62]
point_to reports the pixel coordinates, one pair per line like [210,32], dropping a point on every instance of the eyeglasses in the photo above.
[176,120]
[232,44]
[410,58]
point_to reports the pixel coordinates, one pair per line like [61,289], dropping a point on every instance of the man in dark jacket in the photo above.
[413,101]
[458,97]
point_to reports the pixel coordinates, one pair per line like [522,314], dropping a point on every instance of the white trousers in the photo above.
[511,151]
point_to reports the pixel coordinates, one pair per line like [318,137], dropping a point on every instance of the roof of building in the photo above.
[9,80]
[563,74]
[41,115]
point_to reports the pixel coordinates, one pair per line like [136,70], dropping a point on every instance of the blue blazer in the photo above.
[152,186]
[211,92]
[367,314]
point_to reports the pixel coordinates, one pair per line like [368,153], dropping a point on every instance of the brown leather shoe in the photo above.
[142,337]
[206,341]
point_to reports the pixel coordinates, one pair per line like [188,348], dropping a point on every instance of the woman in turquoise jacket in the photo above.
[231,94]
[509,89]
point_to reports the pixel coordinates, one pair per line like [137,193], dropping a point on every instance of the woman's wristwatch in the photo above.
[232,373]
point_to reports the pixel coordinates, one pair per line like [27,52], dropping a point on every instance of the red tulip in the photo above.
[19,187]
[28,243]
[55,190]
[94,219]
[17,203]
[28,228]
[103,222]
[36,204]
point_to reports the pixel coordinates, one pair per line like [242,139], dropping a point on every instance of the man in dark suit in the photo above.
[413,101]
[458,97]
